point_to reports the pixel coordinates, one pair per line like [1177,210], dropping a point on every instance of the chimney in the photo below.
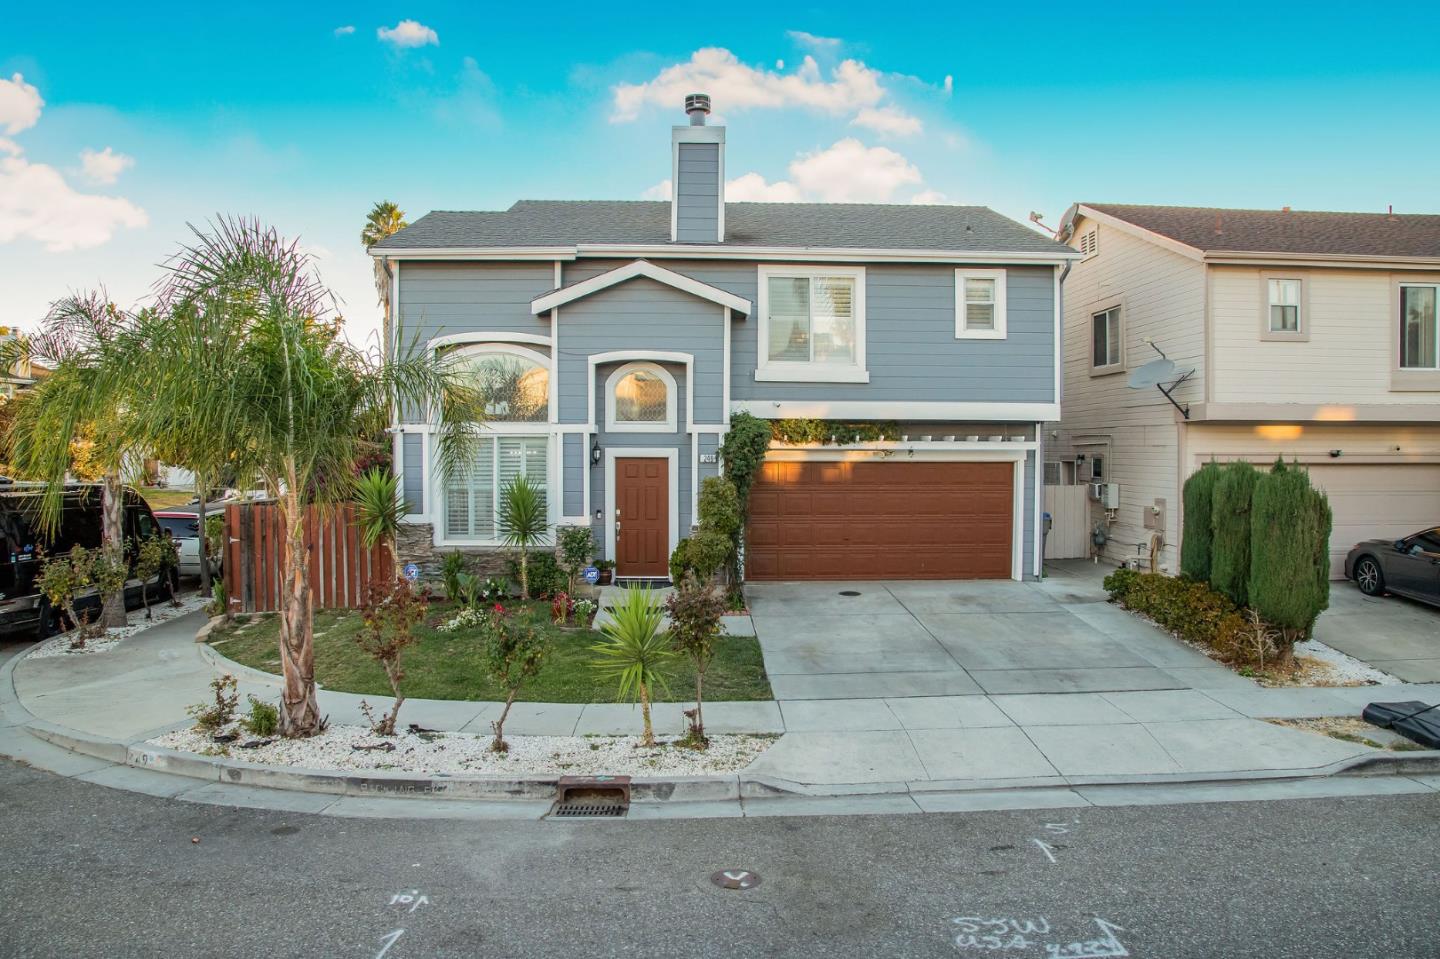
[697,157]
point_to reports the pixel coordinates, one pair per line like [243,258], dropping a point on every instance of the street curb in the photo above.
[225,664]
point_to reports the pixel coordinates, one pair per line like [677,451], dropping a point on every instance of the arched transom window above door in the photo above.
[640,398]
[514,381]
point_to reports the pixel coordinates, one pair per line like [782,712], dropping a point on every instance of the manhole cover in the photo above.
[849,592]
[736,879]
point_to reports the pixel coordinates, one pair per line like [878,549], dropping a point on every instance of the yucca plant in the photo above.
[635,653]
[380,505]
[522,519]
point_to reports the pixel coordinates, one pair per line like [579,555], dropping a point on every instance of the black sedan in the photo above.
[1409,566]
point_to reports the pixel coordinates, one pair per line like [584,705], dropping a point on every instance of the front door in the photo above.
[642,517]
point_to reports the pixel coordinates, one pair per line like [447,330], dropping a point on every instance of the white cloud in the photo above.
[20,105]
[850,87]
[662,191]
[889,120]
[949,86]
[345,31]
[104,167]
[752,187]
[851,172]
[409,33]
[35,201]
[929,196]
[812,41]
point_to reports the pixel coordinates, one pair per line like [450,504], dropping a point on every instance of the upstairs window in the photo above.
[514,382]
[1284,305]
[640,399]
[812,325]
[980,304]
[1419,334]
[1106,341]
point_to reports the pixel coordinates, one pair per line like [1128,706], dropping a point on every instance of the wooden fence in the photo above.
[341,568]
[1069,509]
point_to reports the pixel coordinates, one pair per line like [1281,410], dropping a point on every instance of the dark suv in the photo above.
[23,609]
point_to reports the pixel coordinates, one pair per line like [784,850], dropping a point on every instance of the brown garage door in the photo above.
[844,520]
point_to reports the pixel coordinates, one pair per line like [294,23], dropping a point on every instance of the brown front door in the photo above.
[887,520]
[642,517]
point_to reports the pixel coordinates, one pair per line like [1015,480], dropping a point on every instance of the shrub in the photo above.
[263,720]
[1290,554]
[545,575]
[380,507]
[154,557]
[61,579]
[701,554]
[522,520]
[560,607]
[1187,608]
[575,546]
[742,452]
[798,431]
[1230,548]
[108,572]
[695,609]
[214,716]
[452,567]
[389,618]
[719,506]
[515,652]
[1199,532]
[635,653]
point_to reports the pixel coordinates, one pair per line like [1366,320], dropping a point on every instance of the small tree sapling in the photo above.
[390,616]
[515,653]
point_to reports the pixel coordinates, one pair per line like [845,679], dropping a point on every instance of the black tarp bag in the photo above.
[1413,720]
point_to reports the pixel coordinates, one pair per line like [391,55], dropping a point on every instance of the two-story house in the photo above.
[615,340]
[1311,336]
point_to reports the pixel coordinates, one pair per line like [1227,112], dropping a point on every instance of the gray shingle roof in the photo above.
[1280,231]
[799,225]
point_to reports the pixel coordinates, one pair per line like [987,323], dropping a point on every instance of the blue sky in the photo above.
[281,112]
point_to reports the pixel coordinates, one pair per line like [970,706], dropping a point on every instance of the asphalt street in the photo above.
[96,872]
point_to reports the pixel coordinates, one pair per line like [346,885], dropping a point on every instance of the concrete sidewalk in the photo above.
[948,742]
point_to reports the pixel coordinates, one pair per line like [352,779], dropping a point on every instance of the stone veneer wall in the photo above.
[415,543]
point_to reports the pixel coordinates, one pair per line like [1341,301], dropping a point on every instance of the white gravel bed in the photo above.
[1344,670]
[162,611]
[466,753]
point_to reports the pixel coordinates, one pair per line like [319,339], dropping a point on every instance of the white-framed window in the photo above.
[1097,467]
[812,324]
[472,492]
[513,380]
[980,304]
[1107,341]
[1284,302]
[1419,326]
[640,398]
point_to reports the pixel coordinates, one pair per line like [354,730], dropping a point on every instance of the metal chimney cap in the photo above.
[697,105]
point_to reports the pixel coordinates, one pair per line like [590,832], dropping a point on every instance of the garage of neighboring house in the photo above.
[1382,481]
[863,519]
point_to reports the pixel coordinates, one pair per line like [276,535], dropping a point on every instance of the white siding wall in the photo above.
[1162,297]
[1346,360]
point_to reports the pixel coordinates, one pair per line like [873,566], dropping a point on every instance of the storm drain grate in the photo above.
[587,810]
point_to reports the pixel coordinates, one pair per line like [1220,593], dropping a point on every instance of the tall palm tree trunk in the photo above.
[299,708]
[112,614]
[200,485]
[647,737]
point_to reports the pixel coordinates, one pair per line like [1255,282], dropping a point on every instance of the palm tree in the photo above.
[75,340]
[635,653]
[291,400]
[523,520]
[384,219]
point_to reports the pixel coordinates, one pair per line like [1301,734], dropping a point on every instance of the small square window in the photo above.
[1097,467]
[980,304]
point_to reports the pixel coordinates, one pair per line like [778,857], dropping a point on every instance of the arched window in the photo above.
[640,399]
[514,381]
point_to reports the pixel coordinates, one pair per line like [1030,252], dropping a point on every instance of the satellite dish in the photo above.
[1152,374]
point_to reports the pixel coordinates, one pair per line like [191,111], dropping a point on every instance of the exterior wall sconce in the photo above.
[597,453]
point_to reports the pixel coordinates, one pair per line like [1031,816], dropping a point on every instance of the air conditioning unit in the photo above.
[1106,494]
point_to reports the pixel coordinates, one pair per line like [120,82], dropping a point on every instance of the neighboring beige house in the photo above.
[1312,336]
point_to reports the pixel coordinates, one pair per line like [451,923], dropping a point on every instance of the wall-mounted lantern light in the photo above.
[597,453]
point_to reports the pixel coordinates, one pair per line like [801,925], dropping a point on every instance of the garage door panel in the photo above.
[1376,501]
[905,520]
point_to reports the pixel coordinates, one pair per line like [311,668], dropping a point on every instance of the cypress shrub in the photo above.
[1290,553]
[1199,533]
[1230,522]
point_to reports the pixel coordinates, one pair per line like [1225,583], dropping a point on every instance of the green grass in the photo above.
[452,665]
[165,498]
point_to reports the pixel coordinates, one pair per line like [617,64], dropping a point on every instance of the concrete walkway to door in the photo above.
[885,640]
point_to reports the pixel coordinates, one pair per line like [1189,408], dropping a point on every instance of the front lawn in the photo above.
[452,665]
[161,499]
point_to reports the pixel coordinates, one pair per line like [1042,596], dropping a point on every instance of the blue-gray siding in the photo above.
[697,193]
[412,451]
[572,474]
[437,299]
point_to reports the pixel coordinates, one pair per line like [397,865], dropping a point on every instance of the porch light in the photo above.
[596,454]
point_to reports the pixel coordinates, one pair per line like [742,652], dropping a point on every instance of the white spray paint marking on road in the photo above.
[1106,947]
[1046,848]
[1004,934]
[414,899]
[389,939]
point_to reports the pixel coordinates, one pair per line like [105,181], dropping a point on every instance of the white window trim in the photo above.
[1398,326]
[672,456]
[962,331]
[435,514]
[1119,364]
[612,425]
[784,371]
[1301,333]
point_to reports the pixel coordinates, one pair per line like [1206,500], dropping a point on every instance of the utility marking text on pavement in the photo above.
[1032,935]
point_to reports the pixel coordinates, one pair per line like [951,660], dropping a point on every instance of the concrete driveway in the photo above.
[1395,635]
[896,639]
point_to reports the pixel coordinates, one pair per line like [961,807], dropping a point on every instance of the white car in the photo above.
[182,524]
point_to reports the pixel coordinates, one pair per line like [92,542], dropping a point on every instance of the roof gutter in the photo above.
[1358,261]
[726,252]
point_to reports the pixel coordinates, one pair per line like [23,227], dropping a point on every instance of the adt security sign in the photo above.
[412,572]
[592,575]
